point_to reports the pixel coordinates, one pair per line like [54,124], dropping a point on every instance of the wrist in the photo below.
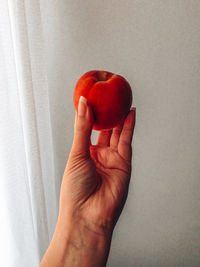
[80,245]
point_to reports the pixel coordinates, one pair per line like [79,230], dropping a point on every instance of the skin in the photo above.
[93,193]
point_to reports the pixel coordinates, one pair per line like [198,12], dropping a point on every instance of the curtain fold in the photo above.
[27,175]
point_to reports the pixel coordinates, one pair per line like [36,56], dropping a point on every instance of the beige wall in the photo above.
[155,45]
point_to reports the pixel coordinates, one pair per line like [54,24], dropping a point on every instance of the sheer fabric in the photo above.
[27,181]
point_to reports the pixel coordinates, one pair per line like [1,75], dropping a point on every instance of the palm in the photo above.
[111,169]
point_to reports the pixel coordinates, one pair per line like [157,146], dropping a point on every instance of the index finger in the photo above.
[124,145]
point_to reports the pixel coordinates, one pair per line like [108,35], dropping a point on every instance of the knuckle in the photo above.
[117,131]
[82,127]
[125,142]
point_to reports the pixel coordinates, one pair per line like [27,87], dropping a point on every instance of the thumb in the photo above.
[82,128]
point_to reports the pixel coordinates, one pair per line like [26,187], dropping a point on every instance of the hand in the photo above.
[96,179]
[93,192]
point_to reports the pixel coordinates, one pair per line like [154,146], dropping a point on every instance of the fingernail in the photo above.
[131,118]
[82,106]
[134,109]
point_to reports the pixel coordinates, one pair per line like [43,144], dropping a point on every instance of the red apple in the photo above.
[108,94]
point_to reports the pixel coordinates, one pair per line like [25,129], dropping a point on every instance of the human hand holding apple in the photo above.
[96,178]
[108,94]
[104,168]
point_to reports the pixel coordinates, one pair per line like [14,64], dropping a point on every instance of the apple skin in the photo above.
[108,94]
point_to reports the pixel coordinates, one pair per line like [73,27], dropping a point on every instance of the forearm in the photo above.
[77,245]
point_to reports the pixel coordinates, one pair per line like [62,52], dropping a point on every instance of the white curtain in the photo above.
[27,177]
